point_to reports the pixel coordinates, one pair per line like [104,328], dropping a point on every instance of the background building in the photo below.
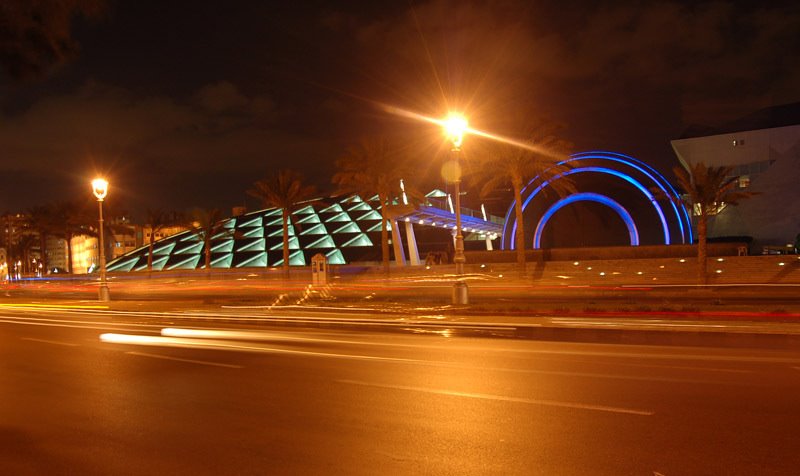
[85,257]
[764,150]
[56,253]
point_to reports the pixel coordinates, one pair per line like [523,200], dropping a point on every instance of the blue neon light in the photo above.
[671,188]
[615,173]
[638,164]
[632,162]
[633,233]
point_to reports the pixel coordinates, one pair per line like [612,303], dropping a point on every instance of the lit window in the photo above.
[712,210]
[744,181]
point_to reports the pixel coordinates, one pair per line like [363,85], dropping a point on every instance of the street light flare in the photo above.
[455,126]
[444,123]
[100,188]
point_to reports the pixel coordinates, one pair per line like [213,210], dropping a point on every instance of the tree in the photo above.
[21,251]
[508,164]
[42,219]
[374,167]
[206,225]
[158,219]
[283,190]
[708,189]
[72,218]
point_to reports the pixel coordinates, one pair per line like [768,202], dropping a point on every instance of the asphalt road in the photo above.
[100,394]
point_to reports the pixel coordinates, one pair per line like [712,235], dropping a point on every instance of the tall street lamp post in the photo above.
[455,127]
[100,189]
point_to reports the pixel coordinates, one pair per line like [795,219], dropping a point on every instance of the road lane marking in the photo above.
[68,344]
[564,373]
[501,398]
[665,356]
[191,361]
[655,366]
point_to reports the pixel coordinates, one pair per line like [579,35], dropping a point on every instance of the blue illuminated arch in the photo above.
[587,197]
[651,173]
[642,177]
[627,178]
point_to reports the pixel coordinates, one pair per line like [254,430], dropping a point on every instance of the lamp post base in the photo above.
[104,295]
[460,293]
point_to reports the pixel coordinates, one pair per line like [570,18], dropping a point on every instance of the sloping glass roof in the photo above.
[345,229]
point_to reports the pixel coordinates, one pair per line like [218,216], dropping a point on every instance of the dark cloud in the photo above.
[189,106]
[36,35]
[152,146]
[492,56]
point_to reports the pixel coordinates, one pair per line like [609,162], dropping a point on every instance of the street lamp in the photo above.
[100,189]
[455,126]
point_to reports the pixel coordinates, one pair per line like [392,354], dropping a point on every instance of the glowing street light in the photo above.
[454,127]
[100,189]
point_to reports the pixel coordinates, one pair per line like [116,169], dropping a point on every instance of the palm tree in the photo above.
[42,220]
[708,189]
[158,219]
[517,166]
[206,225]
[71,218]
[374,167]
[283,190]
[21,251]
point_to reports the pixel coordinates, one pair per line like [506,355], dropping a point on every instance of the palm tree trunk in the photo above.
[208,256]
[43,251]
[285,215]
[519,238]
[384,237]
[68,238]
[150,252]
[702,249]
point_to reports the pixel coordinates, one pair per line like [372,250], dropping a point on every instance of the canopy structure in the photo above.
[345,230]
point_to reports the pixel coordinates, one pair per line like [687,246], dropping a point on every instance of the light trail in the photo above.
[188,343]
[51,306]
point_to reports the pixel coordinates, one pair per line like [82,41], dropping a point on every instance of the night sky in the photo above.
[185,104]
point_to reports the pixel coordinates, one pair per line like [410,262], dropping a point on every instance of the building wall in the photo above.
[123,240]
[738,148]
[56,250]
[13,226]
[3,265]
[84,253]
[147,230]
[770,161]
